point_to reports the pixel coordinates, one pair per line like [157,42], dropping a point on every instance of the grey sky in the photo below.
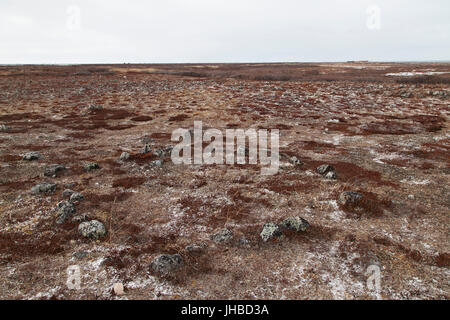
[49,31]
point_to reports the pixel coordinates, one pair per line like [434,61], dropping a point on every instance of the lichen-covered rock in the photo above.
[224,235]
[349,197]
[53,170]
[270,230]
[30,156]
[297,224]
[91,166]
[324,169]
[44,187]
[93,229]
[166,263]
[4,127]
[65,210]
[76,197]
[124,156]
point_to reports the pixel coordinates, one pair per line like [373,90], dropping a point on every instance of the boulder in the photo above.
[44,187]
[297,224]
[349,198]
[93,229]
[166,263]
[224,235]
[30,156]
[65,210]
[270,230]
[53,170]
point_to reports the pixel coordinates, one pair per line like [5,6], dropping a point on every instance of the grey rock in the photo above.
[295,161]
[65,210]
[324,169]
[91,166]
[270,230]
[80,254]
[93,229]
[30,156]
[44,187]
[95,107]
[67,193]
[147,149]
[76,197]
[297,224]
[124,156]
[53,170]
[224,235]
[166,263]
[349,197]
[331,175]
[156,163]
[195,249]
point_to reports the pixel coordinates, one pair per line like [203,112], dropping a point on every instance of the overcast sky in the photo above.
[133,31]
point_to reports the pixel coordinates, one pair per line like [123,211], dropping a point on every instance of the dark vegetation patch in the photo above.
[128,182]
[180,117]
[142,118]
[142,158]
[9,157]
[288,184]
[425,79]
[371,205]
[116,196]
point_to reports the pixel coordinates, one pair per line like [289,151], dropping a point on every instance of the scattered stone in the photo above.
[4,127]
[324,169]
[195,249]
[91,166]
[95,107]
[65,210]
[67,193]
[80,254]
[295,161]
[166,263]
[244,242]
[156,163]
[331,175]
[53,170]
[270,230]
[297,224]
[224,235]
[411,197]
[76,197]
[30,156]
[147,149]
[124,156]
[349,197]
[164,152]
[118,289]
[45,187]
[92,229]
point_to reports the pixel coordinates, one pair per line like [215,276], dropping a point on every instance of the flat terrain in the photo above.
[384,127]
